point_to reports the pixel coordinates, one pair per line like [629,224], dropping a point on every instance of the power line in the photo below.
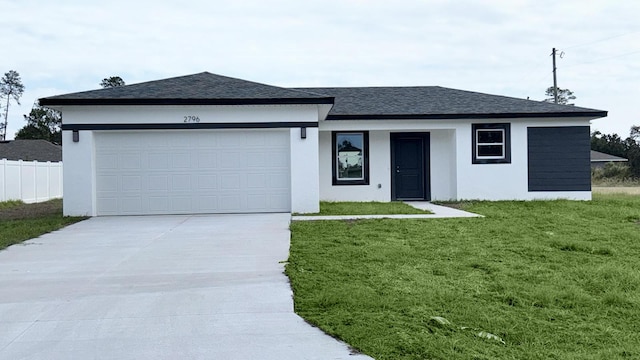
[536,83]
[604,39]
[604,58]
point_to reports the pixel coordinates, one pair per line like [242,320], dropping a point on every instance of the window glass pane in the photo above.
[490,150]
[490,136]
[350,156]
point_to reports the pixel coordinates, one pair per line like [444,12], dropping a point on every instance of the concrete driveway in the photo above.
[156,287]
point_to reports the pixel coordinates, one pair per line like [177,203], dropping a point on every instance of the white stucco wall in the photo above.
[305,177]
[78,174]
[176,114]
[79,158]
[442,160]
[379,188]
[452,174]
[505,181]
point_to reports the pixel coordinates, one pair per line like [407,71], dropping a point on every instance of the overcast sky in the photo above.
[496,47]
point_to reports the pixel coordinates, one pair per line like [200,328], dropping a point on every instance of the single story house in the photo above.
[206,143]
[600,159]
[30,150]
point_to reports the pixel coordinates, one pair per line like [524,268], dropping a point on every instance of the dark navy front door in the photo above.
[410,166]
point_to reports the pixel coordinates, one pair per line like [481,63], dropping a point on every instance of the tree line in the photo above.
[45,123]
[42,123]
[628,148]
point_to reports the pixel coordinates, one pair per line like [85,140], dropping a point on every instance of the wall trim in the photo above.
[63,101]
[182,126]
[515,115]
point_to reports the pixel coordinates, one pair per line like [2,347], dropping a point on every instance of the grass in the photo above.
[20,222]
[552,280]
[10,204]
[366,208]
[610,182]
[629,190]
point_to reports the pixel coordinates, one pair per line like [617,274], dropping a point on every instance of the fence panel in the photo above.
[30,181]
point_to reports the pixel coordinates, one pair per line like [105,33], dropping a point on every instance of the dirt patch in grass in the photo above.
[630,190]
[460,205]
[366,208]
[31,211]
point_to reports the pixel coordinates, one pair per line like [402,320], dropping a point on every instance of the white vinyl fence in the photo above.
[30,181]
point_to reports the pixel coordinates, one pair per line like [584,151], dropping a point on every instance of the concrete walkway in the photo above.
[157,287]
[438,211]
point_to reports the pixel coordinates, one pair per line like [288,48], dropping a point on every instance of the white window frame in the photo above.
[502,145]
[505,144]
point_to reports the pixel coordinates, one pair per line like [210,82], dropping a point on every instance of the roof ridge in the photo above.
[368,87]
[202,88]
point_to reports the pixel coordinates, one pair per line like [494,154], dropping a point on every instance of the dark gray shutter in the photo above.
[559,158]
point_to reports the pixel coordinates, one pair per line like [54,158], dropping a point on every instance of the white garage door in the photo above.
[186,172]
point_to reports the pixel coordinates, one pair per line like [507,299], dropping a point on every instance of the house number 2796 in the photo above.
[191,119]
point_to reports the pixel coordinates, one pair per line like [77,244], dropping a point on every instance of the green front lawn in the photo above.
[367,208]
[20,222]
[531,280]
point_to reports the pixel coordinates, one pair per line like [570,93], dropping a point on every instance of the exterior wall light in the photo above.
[303,133]
[76,136]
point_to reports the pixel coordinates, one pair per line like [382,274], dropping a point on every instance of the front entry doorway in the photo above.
[410,166]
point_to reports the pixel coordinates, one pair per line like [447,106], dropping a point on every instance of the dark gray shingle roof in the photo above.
[202,88]
[597,156]
[435,102]
[30,150]
[419,102]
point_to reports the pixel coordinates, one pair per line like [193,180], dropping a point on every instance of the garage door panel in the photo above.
[131,183]
[207,203]
[256,181]
[158,161]
[106,160]
[180,182]
[130,161]
[107,206]
[255,139]
[158,204]
[207,182]
[230,203]
[278,200]
[277,159]
[256,159]
[107,183]
[131,205]
[257,201]
[204,140]
[278,181]
[230,182]
[175,172]
[231,160]
[181,203]
[158,183]
[181,160]
[207,159]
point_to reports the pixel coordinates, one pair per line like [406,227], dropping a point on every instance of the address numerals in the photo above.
[191,119]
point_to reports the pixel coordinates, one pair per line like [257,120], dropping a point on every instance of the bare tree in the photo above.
[10,87]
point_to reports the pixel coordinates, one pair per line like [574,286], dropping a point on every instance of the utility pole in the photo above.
[555,81]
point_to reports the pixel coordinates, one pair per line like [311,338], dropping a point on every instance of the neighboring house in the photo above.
[206,143]
[600,159]
[30,150]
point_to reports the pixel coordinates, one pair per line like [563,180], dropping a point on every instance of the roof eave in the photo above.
[588,114]
[178,101]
